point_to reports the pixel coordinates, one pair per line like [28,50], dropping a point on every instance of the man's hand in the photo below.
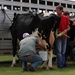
[68,28]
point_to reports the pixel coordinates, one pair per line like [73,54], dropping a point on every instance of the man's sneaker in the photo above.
[31,68]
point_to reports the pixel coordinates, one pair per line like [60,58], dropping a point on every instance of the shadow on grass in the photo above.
[8,63]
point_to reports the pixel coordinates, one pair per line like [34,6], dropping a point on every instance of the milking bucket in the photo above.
[43,55]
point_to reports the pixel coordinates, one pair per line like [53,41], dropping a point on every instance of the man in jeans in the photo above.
[27,52]
[61,41]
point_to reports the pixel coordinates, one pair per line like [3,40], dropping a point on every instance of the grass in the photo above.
[6,58]
[5,69]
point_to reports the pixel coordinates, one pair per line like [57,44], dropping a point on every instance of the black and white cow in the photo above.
[28,23]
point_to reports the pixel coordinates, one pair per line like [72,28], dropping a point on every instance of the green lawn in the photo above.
[6,58]
[5,69]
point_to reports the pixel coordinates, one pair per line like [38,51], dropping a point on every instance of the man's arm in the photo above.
[41,44]
[64,32]
[73,24]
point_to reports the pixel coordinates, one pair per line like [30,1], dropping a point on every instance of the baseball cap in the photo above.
[25,35]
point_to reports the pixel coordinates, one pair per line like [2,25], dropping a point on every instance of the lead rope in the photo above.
[3,10]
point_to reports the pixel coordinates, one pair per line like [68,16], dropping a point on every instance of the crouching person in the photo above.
[27,52]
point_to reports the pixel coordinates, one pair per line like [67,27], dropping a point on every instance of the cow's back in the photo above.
[24,23]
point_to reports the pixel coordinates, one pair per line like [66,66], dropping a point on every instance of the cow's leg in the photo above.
[45,62]
[14,43]
[44,45]
[44,65]
[50,53]
[13,62]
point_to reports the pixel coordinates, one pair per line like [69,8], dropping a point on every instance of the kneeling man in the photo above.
[27,52]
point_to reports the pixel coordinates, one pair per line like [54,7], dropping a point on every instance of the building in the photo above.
[37,5]
[23,6]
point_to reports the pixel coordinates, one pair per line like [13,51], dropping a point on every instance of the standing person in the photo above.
[27,52]
[72,23]
[71,33]
[61,41]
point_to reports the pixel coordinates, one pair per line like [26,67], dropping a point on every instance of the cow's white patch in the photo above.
[35,33]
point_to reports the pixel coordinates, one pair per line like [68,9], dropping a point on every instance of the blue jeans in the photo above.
[61,49]
[36,60]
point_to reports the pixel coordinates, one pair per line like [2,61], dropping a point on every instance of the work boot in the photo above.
[31,68]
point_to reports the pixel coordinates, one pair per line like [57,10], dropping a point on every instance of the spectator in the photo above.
[71,34]
[61,41]
[27,52]
[66,13]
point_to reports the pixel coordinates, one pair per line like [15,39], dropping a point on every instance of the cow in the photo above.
[29,22]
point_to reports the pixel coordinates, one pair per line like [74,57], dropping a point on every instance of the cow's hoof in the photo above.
[13,65]
[50,68]
[44,68]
